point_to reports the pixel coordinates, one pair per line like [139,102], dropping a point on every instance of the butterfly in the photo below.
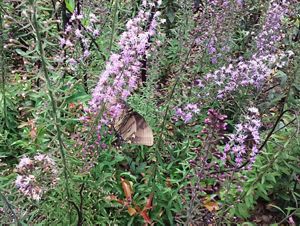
[133,128]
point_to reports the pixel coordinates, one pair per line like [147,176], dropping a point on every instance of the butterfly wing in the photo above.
[133,128]
[143,134]
[125,126]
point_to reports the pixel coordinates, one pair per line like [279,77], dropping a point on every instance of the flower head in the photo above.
[35,175]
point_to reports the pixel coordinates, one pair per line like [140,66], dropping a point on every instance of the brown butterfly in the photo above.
[133,128]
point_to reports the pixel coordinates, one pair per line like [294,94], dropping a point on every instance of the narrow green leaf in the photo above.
[70,4]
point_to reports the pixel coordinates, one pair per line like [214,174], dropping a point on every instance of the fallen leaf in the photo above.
[127,189]
[168,182]
[33,133]
[132,211]
[33,130]
[72,106]
[148,206]
[210,205]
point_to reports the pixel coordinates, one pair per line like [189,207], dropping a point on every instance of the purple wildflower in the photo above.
[78,33]
[24,162]
[271,33]
[215,125]
[123,70]
[245,141]
[27,185]
[186,113]
[213,39]
[35,175]
[75,33]
[254,71]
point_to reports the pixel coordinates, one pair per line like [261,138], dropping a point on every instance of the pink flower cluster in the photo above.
[244,143]
[254,71]
[36,175]
[76,32]
[245,73]
[186,113]
[121,75]
[122,72]
[271,33]
[213,38]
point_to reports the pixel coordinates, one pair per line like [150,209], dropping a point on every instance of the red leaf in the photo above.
[149,202]
[145,216]
[114,198]
[144,212]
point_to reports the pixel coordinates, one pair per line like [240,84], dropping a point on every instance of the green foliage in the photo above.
[273,177]
[42,99]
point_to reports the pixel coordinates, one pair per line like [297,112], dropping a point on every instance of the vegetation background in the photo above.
[216,81]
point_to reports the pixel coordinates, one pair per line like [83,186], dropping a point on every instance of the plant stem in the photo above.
[52,99]
[115,18]
[2,63]
[168,103]
[11,209]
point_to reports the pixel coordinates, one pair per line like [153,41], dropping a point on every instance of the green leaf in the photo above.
[249,201]
[290,209]
[278,208]
[297,213]
[70,4]
[271,177]
[26,54]
[171,15]
[243,210]
[263,179]
[248,224]
[282,76]
[262,192]
[249,192]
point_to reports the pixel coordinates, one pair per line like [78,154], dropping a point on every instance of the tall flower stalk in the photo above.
[122,74]
[54,111]
[253,72]
[206,159]
[243,145]
[213,39]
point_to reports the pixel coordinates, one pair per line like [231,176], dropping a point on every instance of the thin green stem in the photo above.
[288,216]
[94,125]
[168,103]
[5,201]
[2,63]
[115,20]
[179,73]
[54,111]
